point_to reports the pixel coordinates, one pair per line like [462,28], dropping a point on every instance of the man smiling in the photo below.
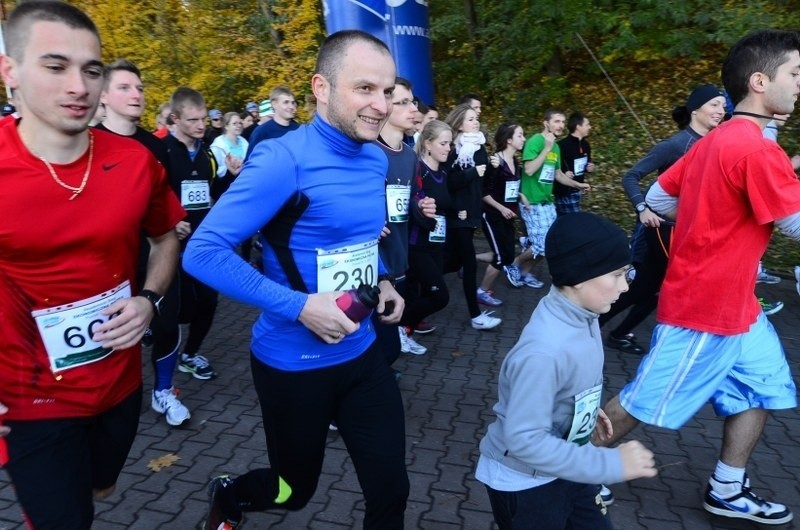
[284,105]
[311,364]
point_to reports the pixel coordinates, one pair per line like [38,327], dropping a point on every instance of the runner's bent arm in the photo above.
[248,205]
[132,315]
[567,181]
[662,202]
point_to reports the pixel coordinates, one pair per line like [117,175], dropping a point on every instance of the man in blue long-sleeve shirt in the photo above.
[317,194]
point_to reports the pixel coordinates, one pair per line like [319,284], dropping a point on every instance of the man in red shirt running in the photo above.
[71,314]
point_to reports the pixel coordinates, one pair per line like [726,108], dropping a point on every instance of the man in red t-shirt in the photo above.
[71,314]
[713,342]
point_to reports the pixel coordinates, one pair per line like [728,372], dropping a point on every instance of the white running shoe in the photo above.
[409,345]
[486,298]
[764,276]
[737,501]
[485,321]
[167,403]
[532,281]
[606,495]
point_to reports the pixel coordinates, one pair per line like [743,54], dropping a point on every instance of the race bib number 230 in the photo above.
[346,268]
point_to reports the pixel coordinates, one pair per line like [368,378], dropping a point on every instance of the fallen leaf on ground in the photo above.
[157,464]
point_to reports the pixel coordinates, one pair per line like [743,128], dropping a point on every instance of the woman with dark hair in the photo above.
[467,164]
[500,196]
[247,120]
[704,110]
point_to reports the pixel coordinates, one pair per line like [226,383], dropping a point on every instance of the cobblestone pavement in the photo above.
[448,395]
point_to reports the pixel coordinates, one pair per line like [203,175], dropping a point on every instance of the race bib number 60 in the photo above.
[346,268]
[67,330]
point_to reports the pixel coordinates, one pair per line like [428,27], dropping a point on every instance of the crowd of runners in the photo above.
[341,231]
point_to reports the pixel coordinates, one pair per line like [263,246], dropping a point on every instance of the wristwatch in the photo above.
[642,206]
[154,299]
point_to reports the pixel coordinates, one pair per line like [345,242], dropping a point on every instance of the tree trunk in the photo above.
[266,11]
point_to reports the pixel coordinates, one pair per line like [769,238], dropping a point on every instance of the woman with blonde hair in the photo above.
[426,236]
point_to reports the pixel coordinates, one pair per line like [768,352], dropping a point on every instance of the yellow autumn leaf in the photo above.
[157,464]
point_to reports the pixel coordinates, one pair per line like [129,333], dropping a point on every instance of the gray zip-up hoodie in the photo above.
[558,356]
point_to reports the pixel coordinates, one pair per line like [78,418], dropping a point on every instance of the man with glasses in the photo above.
[393,246]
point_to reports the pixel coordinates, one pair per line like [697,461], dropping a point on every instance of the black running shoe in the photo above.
[216,519]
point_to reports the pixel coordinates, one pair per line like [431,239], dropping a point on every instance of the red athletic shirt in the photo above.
[731,186]
[55,251]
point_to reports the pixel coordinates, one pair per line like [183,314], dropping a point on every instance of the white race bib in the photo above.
[547,175]
[67,330]
[512,191]
[397,198]
[195,195]
[438,234]
[346,268]
[587,403]
[580,165]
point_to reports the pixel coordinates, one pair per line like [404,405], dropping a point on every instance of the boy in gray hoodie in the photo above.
[536,460]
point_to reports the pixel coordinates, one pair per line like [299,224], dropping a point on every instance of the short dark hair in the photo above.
[184,96]
[468,97]
[329,58]
[422,107]
[402,81]
[761,51]
[504,134]
[575,119]
[17,29]
[120,65]
[549,113]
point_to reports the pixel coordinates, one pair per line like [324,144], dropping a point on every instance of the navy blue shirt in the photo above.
[267,131]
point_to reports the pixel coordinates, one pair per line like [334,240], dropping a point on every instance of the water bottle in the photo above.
[357,304]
